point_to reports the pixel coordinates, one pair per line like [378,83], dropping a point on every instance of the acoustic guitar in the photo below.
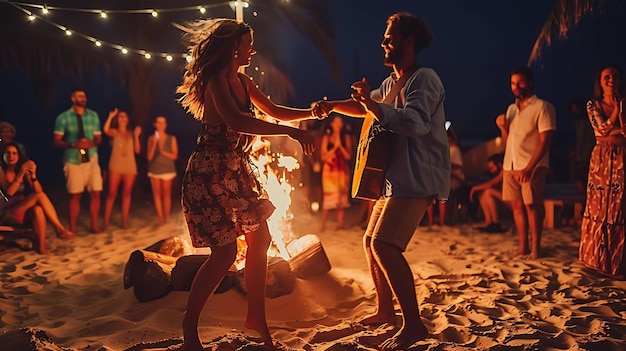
[372,157]
[374,149]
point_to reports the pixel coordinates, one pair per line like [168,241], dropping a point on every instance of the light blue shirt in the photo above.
[419,165]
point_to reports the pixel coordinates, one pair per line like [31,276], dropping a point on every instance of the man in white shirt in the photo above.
[528,129]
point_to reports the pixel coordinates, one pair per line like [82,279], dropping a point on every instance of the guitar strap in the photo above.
[398,85]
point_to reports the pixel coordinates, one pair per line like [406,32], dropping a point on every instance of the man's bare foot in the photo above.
[378,319]
[404,339]
[263,330]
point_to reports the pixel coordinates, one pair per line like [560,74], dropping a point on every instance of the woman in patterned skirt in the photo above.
[602,229]
[222,197]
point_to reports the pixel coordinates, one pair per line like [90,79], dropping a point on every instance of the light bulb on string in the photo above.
[98,43]
[124,51]
[188,58]
[103,14]
[254,13]
[31,17]
[169,57]
[44,10]
[202,10]
[68,32]
[154,13]
[147,56]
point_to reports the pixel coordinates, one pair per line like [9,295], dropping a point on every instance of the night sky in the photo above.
[476,45]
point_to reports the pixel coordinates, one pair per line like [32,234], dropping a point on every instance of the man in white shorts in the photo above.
[77,130]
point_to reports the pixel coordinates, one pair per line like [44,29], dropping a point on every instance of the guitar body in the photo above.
[372,157]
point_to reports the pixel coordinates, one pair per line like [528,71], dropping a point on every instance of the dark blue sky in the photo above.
[476,45]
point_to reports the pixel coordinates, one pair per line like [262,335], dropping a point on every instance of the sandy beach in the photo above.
[473,295]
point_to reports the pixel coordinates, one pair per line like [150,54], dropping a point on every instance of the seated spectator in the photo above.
[26,202]
[7,135]
[490,194]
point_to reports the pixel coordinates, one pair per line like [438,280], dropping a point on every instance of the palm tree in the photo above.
[40,50]
[563,18]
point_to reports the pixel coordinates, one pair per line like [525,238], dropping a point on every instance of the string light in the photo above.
[45,9]
[104,13]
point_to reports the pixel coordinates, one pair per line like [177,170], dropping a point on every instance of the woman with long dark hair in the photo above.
[602,229]
[26,202]
[222,197]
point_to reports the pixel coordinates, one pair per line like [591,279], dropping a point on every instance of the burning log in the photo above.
[308,258]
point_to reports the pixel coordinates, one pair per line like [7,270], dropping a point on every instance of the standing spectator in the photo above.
[77,131]
[162,152]
[602,229]
[490,195]
[456,179]
[418,171]
[527,130]
[122,165]
[336,153]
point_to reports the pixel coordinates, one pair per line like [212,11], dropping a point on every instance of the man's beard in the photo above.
[394,56]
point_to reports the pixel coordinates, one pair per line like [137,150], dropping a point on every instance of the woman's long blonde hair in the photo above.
[211,44]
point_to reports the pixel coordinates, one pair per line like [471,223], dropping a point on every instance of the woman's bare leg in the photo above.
[166,194]
[127,192]
[207,279]
[50,212]
[114,183]
[39,230]
[157,191]
[256,276]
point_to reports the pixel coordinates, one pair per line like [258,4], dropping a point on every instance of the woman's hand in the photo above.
[113,113]
[137,131]
[305,139]
[30,167]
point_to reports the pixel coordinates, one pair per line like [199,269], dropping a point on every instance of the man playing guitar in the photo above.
[418,170]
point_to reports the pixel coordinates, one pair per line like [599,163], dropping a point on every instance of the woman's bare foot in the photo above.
[65,234]
[378,319]
[191,340]
[404,338]
[522,252]
[263,330]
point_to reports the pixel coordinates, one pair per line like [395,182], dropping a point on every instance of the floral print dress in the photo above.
[221,194]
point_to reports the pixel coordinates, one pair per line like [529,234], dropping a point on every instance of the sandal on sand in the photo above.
[65,234]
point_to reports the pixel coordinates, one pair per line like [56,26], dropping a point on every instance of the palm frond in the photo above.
[563,18]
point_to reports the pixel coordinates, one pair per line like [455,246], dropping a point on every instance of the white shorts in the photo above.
[83,176]
[162,176]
